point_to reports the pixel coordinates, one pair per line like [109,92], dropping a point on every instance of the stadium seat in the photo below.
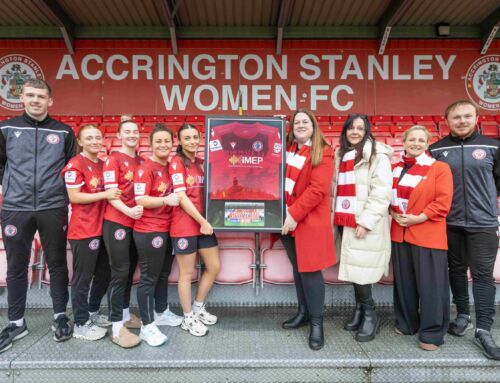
[394,141]
[486,117]
[275,265]
[331,276]
[438,119]
[323,120]
[419,119]
[91,120]
[389,279]
[395,129]
[237,256]
[443,128]
[195,120]
[111,119]
[381,120]
[489,128]
[174,118]
[402,120]
[69,119]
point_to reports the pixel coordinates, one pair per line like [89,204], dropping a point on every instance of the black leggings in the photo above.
[90,265]
[310,286]
[123,262]
[155,260]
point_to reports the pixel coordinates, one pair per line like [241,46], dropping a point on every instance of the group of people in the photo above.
[130,211]
[442,200]
[126,211]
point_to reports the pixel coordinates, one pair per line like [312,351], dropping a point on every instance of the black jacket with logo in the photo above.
[33,154]
[475,164]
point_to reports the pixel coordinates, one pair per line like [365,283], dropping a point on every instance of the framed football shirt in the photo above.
[244,167]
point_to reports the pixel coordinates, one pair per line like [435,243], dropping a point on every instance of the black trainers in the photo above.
[486,343]
[62,327]
[10,334]
[460,325]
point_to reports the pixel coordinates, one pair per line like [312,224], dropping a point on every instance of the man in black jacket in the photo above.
[472,222]
[33,150]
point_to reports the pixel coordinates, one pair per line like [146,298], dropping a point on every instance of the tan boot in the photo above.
[126,339]
[133,322]
[428,346]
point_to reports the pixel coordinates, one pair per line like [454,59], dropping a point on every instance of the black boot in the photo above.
[300,319]
[316,337]
[369,324]
[355,321]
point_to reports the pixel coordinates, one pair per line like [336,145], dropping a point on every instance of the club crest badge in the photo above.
[15,70]
[120,234]
[482,82]
[10,230]
[94,244]
[157,242]
[182,243]
[53,139]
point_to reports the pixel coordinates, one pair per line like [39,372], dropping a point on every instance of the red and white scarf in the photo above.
[402,189]
[295,161]
[345,202]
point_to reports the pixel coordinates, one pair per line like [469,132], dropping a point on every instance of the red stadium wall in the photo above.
[111,77]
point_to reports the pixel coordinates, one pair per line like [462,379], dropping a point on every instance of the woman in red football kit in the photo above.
[191,232]
[153,191]
[119,219]
[84,183]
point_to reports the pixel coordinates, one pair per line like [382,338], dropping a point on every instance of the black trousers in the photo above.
[476,250]
[310,287]
[18,229]
[122,254]
[90,266]
[421,292]
[155,261]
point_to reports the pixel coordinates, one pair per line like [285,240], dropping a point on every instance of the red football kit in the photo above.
[244,162]
[152,179]
[189,180]
[86,219]
[118,172]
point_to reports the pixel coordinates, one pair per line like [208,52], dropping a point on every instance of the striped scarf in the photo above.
[402,188]
[294,163]
[345,202]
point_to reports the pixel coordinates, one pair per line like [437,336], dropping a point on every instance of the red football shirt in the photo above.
[118,172]
[244,162]
[189,180]
[152,179]
[86,219]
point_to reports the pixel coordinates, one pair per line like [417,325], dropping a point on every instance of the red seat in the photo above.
[275,265]
[438,119]
[67,119]
[144,142]
[338,120]
[389,279]
[381,120]
[489,128]
[429,125]
[402,120]
[174,118]
[381,128]
[154,119]
[111,119]
[486,117]
[323,120]
[422,118]
[91,120]
[395,129]
[443,128]
[195,120]
[331,276]
[237,256]
[394,141]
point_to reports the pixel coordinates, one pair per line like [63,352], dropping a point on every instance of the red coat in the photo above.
[432,196]
[310,207]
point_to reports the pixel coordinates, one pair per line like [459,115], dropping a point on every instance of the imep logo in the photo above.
[482,82]
[14,71]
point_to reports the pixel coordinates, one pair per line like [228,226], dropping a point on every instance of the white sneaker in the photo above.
[152,335]
[100,320]
[89,331]
[204,316]
[194,326]
[168,318]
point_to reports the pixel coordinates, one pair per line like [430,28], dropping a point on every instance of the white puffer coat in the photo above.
[366,260]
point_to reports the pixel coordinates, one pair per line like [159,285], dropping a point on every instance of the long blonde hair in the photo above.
[318,141]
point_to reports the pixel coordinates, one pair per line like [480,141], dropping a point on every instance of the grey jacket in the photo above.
[33,154]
